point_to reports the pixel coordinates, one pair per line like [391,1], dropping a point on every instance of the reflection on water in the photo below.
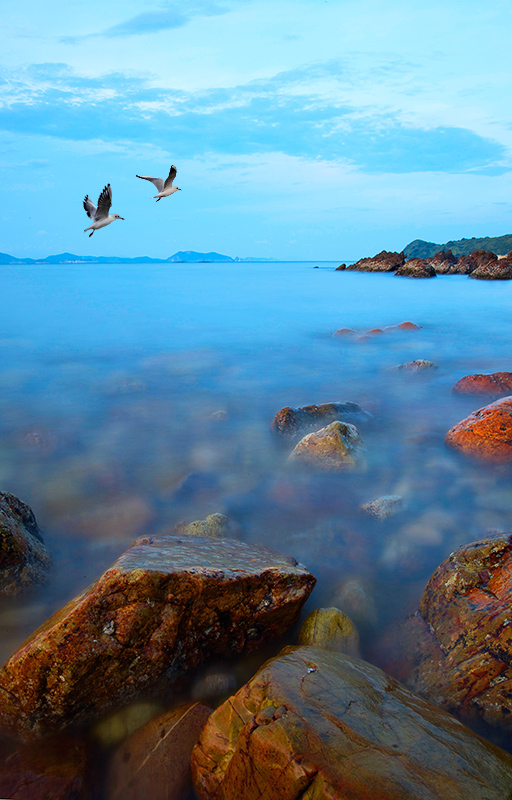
[132,398]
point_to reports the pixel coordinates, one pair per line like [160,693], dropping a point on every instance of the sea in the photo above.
[135,397]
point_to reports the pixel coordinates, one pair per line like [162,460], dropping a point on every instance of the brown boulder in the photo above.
[164,606]
[416,268]
[486,434]
[498,383]
[155,762]
[340,268]
[316,724]
[290,422]
[457,649]
[55,769]
[444,263]
[335,447]
[24,559]
[494,270]
[383,262]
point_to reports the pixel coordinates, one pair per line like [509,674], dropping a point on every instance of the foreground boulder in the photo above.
[289,422]
[498,269]
[164,606]
[383,262]
[497,384]
[457,649]
[335,447]
[24,559]
[486,434]
[416,268]
[315,724]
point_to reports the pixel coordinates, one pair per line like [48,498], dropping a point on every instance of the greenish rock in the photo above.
[335,447]
[331,629]
[215,526]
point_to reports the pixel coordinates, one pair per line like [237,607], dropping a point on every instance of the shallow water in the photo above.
[110,377]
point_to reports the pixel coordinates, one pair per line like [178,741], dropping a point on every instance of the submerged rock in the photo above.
[24,560]
[315,724]
[344,332]
[335,447]
[486,434]
[416,268]
[164,606]
[383,262]
[154,763]
[331,629]
[457,649]
[384,507]
[421,365]
[214,526]
[498,383]
[289,422]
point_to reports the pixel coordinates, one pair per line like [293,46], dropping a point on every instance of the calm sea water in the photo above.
[109,383]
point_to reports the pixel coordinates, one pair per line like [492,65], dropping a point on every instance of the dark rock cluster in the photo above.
[480,264]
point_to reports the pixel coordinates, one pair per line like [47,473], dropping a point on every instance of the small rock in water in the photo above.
[331,629]
[497,384]
[345,332]
[215,526]
[219,416]
[486,434]
[118,726]
[355,597]
[341,267]
[335,447]
[384,507]
[215,686]
[155,762]
[24,560]
[290,422]
[421,365]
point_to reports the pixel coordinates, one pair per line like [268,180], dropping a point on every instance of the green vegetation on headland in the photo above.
[501,245]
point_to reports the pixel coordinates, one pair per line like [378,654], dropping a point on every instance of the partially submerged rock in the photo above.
[384,507]
[420,365]
[24,559]
[331,629]
[340,268]
[494,270]
[290,422]
[383,262]
[154,763]
[315,724]
[335,447]
[486,434]
[164,606]
[214,526]
[444,263]
[416,268]
[497,384]
[457,649]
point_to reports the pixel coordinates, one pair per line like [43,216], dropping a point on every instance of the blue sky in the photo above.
[316,130]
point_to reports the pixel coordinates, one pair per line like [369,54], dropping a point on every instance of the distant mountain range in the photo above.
[501,245]
[183,256]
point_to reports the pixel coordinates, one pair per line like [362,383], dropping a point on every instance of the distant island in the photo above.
[182,256]
[501,245]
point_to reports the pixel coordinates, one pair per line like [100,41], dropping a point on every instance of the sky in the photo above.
[301,130]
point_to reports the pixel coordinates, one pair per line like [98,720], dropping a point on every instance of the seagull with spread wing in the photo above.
[100,215]
[165,188]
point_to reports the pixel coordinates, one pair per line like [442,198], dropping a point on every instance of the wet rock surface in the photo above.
[335,447]
[331,629]
[497,383]
[494,270]
[24,560]
[416,268]
[214,526]
[457,649]
[164,606]
[384,261]
[317,724]
[486,434]
[290,422]
[444,263]
[155,762]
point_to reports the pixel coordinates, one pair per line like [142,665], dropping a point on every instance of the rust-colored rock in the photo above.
[416,268]
[340,268]
[445,263]
[344,332]
[335,447]
[24,559]
[314,724]
[486,434]
[494,270]
[55,769]
[383,262]
[290,422]
[497,384]
[164,606]
[457,649]
[154,763]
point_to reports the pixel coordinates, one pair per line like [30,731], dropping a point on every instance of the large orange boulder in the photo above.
[317,724]
[457,649]
[24,559]
[486,434]
[497,384]
[164,606]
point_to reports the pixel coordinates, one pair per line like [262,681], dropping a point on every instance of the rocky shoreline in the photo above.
[480,264]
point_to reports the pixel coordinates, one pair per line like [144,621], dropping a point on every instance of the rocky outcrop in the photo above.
[55,769]
[494,270]
[24,559]
[291,422]
[340,268]
[457,649]
[154,763]
[497,384]
[444,263]
[486,434]
[383,262]
[165,605]
[416,268]
[317,724]
[335,447]
[331,629]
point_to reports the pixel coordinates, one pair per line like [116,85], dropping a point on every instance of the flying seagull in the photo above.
[165,188]
[100,215]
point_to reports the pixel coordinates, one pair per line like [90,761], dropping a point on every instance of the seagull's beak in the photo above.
[121,218]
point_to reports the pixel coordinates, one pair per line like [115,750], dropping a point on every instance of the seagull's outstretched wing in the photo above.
[170,177]
[90,207]
[104,202]
[159,182]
